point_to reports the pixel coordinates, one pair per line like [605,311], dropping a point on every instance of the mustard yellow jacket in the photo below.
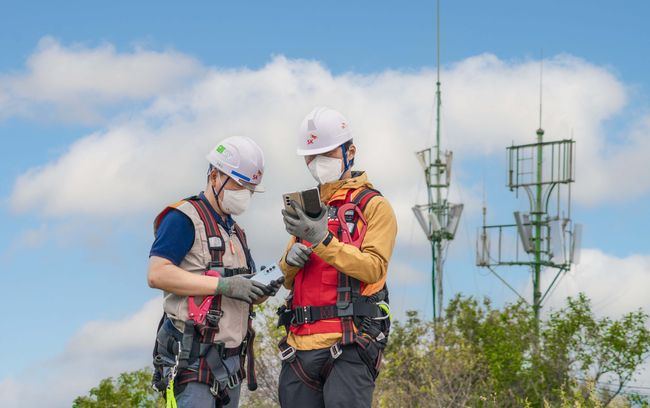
[369,264]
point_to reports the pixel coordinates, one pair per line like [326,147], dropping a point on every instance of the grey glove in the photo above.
[298,255]
[240,287]
[312,230]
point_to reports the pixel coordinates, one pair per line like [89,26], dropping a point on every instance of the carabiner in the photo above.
[384,307]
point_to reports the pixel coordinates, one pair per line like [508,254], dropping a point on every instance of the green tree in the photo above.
[131,390]
[480,356]
[591,349]
[267,361]
[486,357]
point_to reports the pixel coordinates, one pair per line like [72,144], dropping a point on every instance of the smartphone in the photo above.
[308,201]
[268,274]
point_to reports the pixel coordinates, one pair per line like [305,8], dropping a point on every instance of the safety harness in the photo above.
[364,319]
[202,327]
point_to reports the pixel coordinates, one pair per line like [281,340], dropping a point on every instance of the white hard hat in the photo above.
[241,159]
[322,130]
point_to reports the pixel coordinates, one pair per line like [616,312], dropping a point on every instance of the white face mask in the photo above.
[325,169]
[235,202]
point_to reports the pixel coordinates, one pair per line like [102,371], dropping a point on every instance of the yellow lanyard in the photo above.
[171,399]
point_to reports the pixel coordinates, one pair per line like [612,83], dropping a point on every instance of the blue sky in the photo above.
[63,268]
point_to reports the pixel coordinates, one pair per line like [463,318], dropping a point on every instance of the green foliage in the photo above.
[486,357]
[266,359]
[129,390]
[479,357]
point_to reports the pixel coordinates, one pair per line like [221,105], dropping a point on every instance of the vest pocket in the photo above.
[167,339]
[330,276]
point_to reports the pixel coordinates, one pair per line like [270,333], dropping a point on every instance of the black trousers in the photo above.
[350,383]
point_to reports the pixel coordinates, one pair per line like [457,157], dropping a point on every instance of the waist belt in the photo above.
[310,314]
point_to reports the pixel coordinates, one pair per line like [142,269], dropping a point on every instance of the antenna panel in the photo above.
[557,242]
[449,156]
[523,232]
[576,244]
[453,218]
[417,211]
[483,248]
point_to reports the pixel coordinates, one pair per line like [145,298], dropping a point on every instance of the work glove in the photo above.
[312,230]
[298,255]
[240,287]
[273,287]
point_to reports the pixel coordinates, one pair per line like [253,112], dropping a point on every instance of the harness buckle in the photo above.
[214,389]
[336,351]
[302,315]
[345,309]
[228,272]
[213,317]
[287,354]
[216,243]
[234,380]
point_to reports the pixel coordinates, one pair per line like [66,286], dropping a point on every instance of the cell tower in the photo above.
[547,237]
[438,218]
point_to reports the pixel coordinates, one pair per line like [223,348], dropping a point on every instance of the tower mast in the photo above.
[438,218]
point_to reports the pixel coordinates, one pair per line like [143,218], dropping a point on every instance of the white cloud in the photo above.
[157,154]
[99,350]
[77,80]
[615,285]
[136,166]
[403,273]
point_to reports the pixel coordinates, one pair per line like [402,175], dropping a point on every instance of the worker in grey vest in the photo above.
[201,260]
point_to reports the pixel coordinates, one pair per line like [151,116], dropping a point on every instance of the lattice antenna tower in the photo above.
[438,218]
[545,237]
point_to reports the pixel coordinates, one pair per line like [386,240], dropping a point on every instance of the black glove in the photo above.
[273,287]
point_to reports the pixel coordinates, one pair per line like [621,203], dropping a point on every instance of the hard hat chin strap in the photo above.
[346,164]
[216,193]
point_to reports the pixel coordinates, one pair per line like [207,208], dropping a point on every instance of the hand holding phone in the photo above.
[308,201]
[268,274]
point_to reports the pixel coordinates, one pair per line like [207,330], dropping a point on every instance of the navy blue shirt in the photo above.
[175,235]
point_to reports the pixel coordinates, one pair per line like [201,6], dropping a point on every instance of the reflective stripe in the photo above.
[241,176]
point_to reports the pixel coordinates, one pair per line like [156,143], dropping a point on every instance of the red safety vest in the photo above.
[316,284]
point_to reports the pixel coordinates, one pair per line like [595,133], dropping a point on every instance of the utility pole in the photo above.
[438,212]
[547,237]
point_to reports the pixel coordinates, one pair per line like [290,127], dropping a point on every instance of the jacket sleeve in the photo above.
[369,263]
[288,270]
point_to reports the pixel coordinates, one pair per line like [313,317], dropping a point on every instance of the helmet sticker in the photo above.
[221,149]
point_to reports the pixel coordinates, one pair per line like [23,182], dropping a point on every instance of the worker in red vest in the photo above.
[335,265]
